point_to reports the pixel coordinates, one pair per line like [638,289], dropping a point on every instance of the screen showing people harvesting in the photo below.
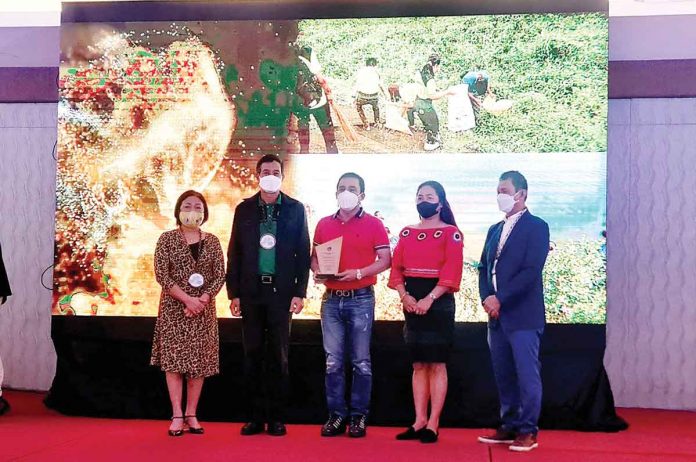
[149,110]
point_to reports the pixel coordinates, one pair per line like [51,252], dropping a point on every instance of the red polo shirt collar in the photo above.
[360,214]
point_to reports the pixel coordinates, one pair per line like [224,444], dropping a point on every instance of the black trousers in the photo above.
[266,335]
[427,114]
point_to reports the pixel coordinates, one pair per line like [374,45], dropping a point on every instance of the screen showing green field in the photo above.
[149,110]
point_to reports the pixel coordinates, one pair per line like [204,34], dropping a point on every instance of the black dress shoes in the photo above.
[358,426]
[276,429]
[336,425]
[252,428]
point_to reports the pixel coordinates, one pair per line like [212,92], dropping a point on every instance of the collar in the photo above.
[360,214]
[261,202]
[516,216]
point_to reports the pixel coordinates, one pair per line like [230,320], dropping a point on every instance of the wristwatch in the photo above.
[358,275]
[432,297]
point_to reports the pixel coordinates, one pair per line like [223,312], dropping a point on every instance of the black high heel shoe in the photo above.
[176,432]
[194,430]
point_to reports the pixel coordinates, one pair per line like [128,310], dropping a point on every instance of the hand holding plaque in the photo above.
[328,258]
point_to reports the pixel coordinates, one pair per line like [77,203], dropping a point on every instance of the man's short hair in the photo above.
[353,175]
[268,158]
[518,180]
[371,61]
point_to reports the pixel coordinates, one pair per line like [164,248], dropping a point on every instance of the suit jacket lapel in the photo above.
[253,222]
[281,224]
[515,231]
[495,239]
[493,249]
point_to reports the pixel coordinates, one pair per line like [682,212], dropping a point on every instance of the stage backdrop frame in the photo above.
[103,366]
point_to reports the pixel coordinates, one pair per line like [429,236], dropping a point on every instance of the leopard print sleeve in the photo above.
[217,268]
[162,263]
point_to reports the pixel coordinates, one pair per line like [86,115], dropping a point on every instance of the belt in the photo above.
[266,279]
[349,293]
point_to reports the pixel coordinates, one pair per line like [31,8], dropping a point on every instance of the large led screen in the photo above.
[149,110]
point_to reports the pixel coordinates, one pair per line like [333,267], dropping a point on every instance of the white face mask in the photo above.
[192,218]
[506,202]
[347,200]
[270,183]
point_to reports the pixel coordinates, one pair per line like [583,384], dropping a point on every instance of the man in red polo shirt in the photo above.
[348,305]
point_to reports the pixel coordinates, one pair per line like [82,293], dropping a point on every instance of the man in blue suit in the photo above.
[510,286]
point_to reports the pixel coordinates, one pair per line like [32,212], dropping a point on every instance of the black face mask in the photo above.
[427,209]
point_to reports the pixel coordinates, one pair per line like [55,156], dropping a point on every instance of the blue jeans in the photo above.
[517,370]
[346,324]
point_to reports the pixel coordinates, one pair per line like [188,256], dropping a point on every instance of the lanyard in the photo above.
[504,237]
[267,220]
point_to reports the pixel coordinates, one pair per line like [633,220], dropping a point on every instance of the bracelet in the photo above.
[432,297]
[404,296]
[358,275]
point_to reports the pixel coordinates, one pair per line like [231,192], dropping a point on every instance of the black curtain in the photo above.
[103,370]
[4,282]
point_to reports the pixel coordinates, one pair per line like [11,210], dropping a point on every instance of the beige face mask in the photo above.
[191,219]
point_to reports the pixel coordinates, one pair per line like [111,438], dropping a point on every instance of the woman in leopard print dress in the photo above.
[185,343]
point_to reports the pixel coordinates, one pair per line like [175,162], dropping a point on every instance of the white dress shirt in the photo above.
[367,80]
[508,226]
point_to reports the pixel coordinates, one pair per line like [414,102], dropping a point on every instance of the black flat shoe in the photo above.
[175,432]
[252,428]
[4,406]
[276,429]
[410,434]
[428,436]
[194,430]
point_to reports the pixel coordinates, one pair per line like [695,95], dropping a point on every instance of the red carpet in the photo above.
[30,432]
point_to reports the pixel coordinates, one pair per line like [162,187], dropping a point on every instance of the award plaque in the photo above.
[328,257]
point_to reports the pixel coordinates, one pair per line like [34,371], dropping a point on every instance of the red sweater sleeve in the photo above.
[396,276]
[451,272]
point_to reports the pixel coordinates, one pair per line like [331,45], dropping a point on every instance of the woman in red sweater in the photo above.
[426,271]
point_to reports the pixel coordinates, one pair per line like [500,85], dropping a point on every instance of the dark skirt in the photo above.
[429,337]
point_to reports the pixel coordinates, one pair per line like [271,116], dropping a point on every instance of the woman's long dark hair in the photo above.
[427,72]
[446,214]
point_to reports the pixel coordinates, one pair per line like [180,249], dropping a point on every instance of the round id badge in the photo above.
[196,280]
[267,241]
